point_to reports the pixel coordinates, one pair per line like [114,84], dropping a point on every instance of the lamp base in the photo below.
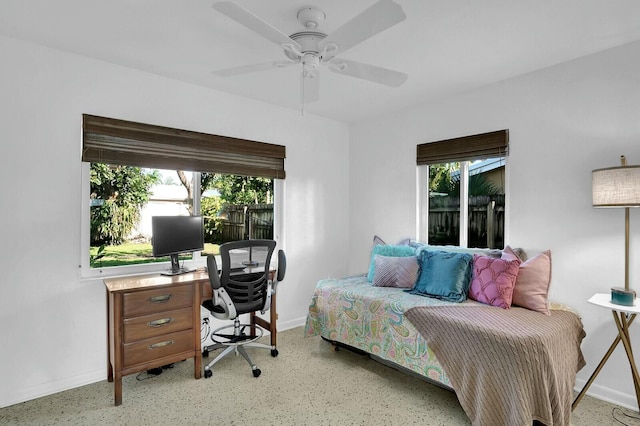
[621,296]
[250,263]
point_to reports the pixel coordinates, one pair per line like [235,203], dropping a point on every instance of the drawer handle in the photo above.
[159,322]
[161,344]
[160,299]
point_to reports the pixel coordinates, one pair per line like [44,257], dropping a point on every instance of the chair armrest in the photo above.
[214,273]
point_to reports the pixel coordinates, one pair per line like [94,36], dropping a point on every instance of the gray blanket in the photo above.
[507,366]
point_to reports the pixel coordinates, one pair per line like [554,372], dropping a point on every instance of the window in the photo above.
[122,201]
[126,176]
[461,190]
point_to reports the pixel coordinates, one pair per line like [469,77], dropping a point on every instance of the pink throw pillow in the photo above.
[493,280]
[532,285]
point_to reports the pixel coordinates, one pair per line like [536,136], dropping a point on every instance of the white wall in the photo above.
[564,122]
[52,324]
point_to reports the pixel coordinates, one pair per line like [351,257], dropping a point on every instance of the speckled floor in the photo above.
[307,384]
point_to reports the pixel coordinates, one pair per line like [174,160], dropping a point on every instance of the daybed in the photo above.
[508,365]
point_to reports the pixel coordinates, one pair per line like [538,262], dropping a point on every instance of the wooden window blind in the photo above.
[466,148]
[120,142]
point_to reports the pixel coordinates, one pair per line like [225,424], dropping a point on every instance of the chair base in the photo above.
[238,337]
[236,343]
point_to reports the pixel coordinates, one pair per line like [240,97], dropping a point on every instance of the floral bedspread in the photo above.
[352,311]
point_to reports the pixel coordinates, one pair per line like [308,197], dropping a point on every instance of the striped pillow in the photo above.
[400,272]
[388,250]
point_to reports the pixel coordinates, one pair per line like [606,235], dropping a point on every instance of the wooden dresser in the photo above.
[153,320]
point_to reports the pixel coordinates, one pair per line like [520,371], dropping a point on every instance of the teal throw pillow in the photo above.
[388,250]
[444,275]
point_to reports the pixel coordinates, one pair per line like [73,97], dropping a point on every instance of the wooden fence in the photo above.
[258,219]
[486,221]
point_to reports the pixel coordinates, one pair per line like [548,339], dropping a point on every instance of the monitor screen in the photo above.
[172,235]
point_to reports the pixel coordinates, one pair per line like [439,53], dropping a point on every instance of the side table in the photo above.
[623,317]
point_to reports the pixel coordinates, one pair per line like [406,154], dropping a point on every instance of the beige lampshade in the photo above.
[616,187]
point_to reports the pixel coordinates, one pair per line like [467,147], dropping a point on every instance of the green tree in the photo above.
[478,185]
[235,189]
[440,179]
[206,182]
[122,191]
[213,224]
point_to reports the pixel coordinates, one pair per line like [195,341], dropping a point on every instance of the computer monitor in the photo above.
[172,235]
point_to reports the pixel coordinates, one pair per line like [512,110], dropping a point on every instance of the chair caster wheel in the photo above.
[274,353]
[207,374]
[256,372]
[205,353]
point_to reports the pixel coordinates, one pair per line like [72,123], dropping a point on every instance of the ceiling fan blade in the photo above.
[244,69]
[368,72]
[310,88]
[377,18]
[254,23]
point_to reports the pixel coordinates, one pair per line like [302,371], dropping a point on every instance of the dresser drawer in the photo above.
[157,324]
[157,347]
[156,300]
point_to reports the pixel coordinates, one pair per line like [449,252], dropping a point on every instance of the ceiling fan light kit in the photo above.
[312,48]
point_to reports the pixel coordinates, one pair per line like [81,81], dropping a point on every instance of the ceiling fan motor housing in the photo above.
[308,41]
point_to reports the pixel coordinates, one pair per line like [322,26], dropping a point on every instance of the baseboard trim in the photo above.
[294,323]
[56,386]
[608,395]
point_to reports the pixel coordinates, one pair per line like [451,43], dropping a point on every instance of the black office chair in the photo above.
[238,290]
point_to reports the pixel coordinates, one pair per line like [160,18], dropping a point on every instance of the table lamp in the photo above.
[618,187]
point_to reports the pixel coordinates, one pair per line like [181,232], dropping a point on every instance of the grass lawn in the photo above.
[132,254]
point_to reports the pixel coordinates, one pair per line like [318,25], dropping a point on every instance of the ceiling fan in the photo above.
[312,48]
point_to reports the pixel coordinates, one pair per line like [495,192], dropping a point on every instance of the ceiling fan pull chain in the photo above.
[302,94]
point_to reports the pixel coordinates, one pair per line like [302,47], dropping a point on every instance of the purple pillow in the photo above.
[387,250]
[493,280]
[399,272]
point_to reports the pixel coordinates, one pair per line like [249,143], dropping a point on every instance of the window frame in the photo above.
[464,150]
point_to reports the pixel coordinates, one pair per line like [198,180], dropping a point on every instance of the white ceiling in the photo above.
[445,46]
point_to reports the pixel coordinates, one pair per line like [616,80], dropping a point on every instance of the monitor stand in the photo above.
[250,262]
[175,267]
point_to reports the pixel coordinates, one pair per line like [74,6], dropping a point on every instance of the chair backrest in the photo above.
[247,291]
